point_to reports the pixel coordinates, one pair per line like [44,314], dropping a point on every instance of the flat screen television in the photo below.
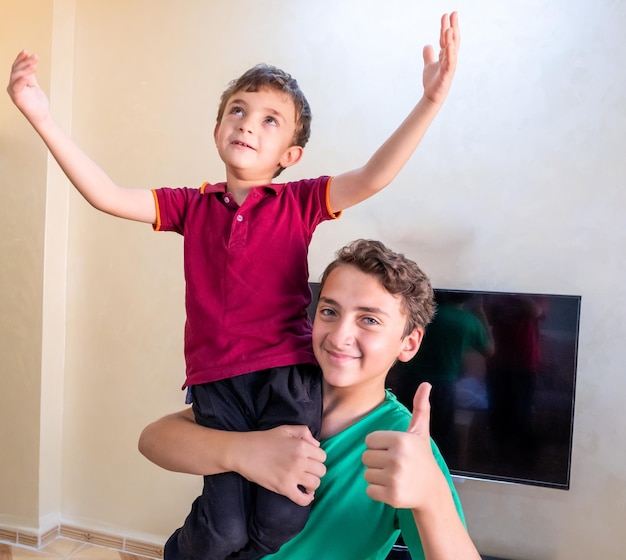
[503,370]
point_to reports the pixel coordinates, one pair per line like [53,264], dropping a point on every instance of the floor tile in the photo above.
[19,553]
[96,553]
[64,547]
[5,552]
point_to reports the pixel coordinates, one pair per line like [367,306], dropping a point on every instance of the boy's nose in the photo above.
[245,125]
[342,334]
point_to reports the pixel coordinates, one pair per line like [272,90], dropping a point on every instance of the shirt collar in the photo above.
[208,188]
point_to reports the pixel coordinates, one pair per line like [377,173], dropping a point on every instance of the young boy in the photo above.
[384,473]
[246,243]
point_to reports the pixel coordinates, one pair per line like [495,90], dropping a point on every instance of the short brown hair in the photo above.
[399,275]
[264,76]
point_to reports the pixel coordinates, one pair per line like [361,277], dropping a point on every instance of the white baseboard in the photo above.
[38,539]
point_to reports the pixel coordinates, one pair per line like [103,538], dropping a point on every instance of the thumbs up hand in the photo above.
[400,466]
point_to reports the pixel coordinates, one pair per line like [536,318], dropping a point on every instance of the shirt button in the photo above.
[226,199]
[239,218]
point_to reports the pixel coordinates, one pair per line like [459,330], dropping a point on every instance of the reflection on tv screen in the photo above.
[503,370]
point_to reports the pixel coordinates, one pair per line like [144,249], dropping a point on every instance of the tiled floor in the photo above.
[61,548]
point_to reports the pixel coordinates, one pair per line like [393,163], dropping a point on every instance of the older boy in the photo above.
[246,243]
[383,471]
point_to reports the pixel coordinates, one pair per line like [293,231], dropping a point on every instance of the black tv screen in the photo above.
[503,370]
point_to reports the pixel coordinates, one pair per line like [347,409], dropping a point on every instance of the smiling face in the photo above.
[255,136]
[359,332]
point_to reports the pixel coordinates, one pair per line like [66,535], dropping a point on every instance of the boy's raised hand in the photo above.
[24,89]
[400,466]
[438,72]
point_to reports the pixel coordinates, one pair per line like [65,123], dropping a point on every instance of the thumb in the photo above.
[420,420]
[428,54]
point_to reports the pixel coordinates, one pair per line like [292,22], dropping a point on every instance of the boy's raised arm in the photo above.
[88,178]
[350,188]
[281,459]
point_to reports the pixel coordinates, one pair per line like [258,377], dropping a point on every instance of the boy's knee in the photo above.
[221,542]
[275,527]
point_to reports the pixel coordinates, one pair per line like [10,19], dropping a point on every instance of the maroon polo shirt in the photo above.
[246,273]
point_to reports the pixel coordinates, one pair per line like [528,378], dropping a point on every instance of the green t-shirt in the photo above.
[345,523]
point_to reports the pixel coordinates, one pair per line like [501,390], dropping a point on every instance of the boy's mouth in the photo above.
[243,144]
[338,356]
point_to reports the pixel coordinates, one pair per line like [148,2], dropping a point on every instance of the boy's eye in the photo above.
[370,321]
[271,120]
[236,111]
[326,312]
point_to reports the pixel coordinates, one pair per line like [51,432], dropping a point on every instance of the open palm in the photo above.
[438,72]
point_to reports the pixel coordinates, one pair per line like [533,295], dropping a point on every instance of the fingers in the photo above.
[449,37]
[304,465]
[445,25]
[386,494]
[25,61]
[380,440]
[452,40]
[306,482]
[309,448]
[456,30]
[23,71]
[374,458]
[299,497]
[420,419]
[315,467]
[384,468]
[305,455]
[303,493]
[379,463]
[450,31]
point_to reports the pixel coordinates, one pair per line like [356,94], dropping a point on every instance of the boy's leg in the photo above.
[218,522]
[232,515]
[289,395]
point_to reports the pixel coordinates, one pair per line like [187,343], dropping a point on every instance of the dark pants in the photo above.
[233,518]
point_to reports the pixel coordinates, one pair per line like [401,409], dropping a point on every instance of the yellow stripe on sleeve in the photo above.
[335,215]
[157,225]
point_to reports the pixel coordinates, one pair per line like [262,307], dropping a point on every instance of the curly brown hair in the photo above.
[264,76]
[399,275]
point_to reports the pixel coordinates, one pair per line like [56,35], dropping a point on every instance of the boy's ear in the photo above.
[291,156]
[215,131]
[410,344]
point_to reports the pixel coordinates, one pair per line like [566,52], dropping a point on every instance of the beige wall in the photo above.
[518,186]
[22,227]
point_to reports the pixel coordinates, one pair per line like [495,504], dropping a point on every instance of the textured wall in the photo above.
[518,185]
